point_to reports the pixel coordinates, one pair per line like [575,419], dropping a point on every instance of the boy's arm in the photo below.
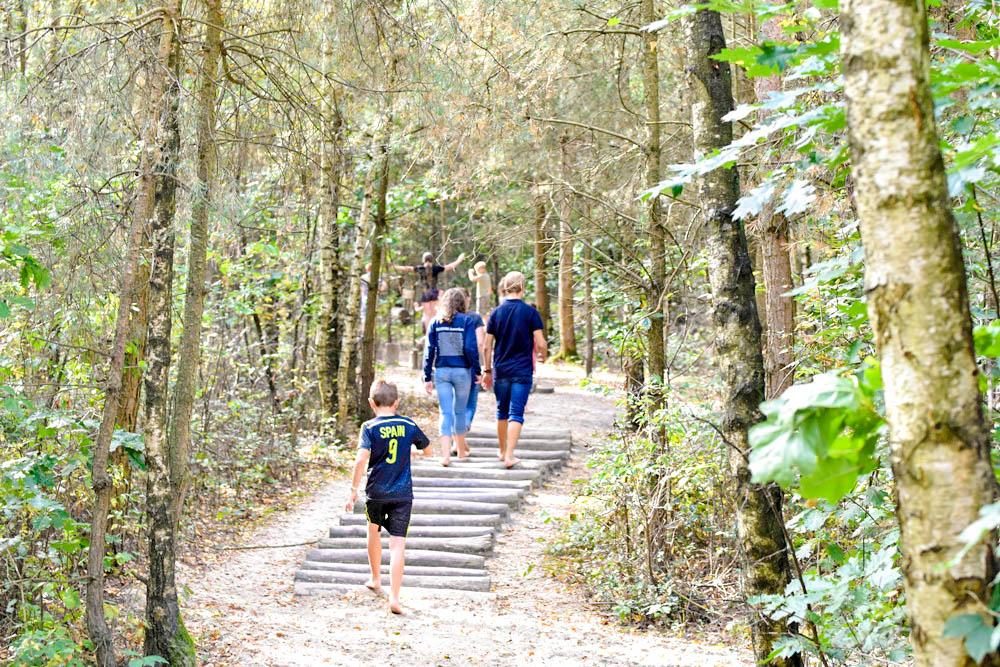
[420,440]
[360,464]
[403,269]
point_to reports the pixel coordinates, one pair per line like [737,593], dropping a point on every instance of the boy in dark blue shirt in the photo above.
[384,449]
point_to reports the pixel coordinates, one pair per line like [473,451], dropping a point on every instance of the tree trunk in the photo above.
[143,212]
[653,176]
[541,258]
[368,340]
[330,278]
[588,309]
[189,350]
[567,327]
[737,329]
[165,632]
[919,309]
[345,380]
[779,329]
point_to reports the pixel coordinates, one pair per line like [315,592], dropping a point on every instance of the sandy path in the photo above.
[243,611]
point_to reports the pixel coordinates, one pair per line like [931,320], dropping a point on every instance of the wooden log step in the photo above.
[491,443]
[512,498]
[448,507]
[527,434]
[452,472]
[466,545]
[413,557]
[443,482]
[410,569]
[359,530]
[432,520]
[481,583]
[543,454]
[460,492]
[493,464]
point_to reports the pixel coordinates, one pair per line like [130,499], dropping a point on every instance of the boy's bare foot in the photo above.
[446,462]
[374,586]
[395,607]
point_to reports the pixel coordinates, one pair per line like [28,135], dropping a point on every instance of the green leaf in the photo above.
[977,634]
[613,21]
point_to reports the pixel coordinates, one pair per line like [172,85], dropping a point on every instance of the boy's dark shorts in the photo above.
[393,515]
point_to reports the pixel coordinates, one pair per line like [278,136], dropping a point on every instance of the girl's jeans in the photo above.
[453,385]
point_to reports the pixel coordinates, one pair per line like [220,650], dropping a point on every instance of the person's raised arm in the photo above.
[399,268]
[454,265]
[541,346]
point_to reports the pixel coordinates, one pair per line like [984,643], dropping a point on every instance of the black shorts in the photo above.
[393,515]
[429,296]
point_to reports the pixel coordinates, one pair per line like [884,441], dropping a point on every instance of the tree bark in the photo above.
[653,176]
[567,326]
[541,249]
[368,341]
[189,350]
[142,213]
[345,382]
[737,329]
[588,309]
[165,632]
[919,308]
[779,329]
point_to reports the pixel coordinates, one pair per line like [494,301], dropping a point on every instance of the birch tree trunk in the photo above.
[567,326]
[919,308]
[349,343]
[737,329]
[189,350]
[142,214]
[165,632]
[368,341]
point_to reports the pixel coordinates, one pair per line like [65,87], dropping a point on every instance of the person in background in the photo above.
[484,287]
[427,274]
[384,449]
[451,365]
[513,336]
[480,328]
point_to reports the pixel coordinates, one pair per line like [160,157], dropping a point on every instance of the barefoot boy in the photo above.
[384,449]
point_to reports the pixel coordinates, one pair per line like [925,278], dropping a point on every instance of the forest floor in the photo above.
[242,610]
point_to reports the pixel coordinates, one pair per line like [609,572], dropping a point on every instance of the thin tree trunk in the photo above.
[345,383]
[779,329]
[919,307]
[653,176]
[541,248]
[567,326]
[737,330]
[368,341]
[165,633]
[330,278]
[588,308]
[143,212]
[189,350]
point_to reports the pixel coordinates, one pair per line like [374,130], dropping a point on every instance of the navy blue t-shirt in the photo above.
[513,325]
[389,439]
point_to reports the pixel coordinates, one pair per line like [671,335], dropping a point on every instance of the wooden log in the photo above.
[491,443]
[527,434]
[493,464]
[413,557]
[490,453]
[360,530]
[432,520]
[417,581]
[512,498]
[448,507]
[438,482]
[452,472]
[410,569]
[466,545]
